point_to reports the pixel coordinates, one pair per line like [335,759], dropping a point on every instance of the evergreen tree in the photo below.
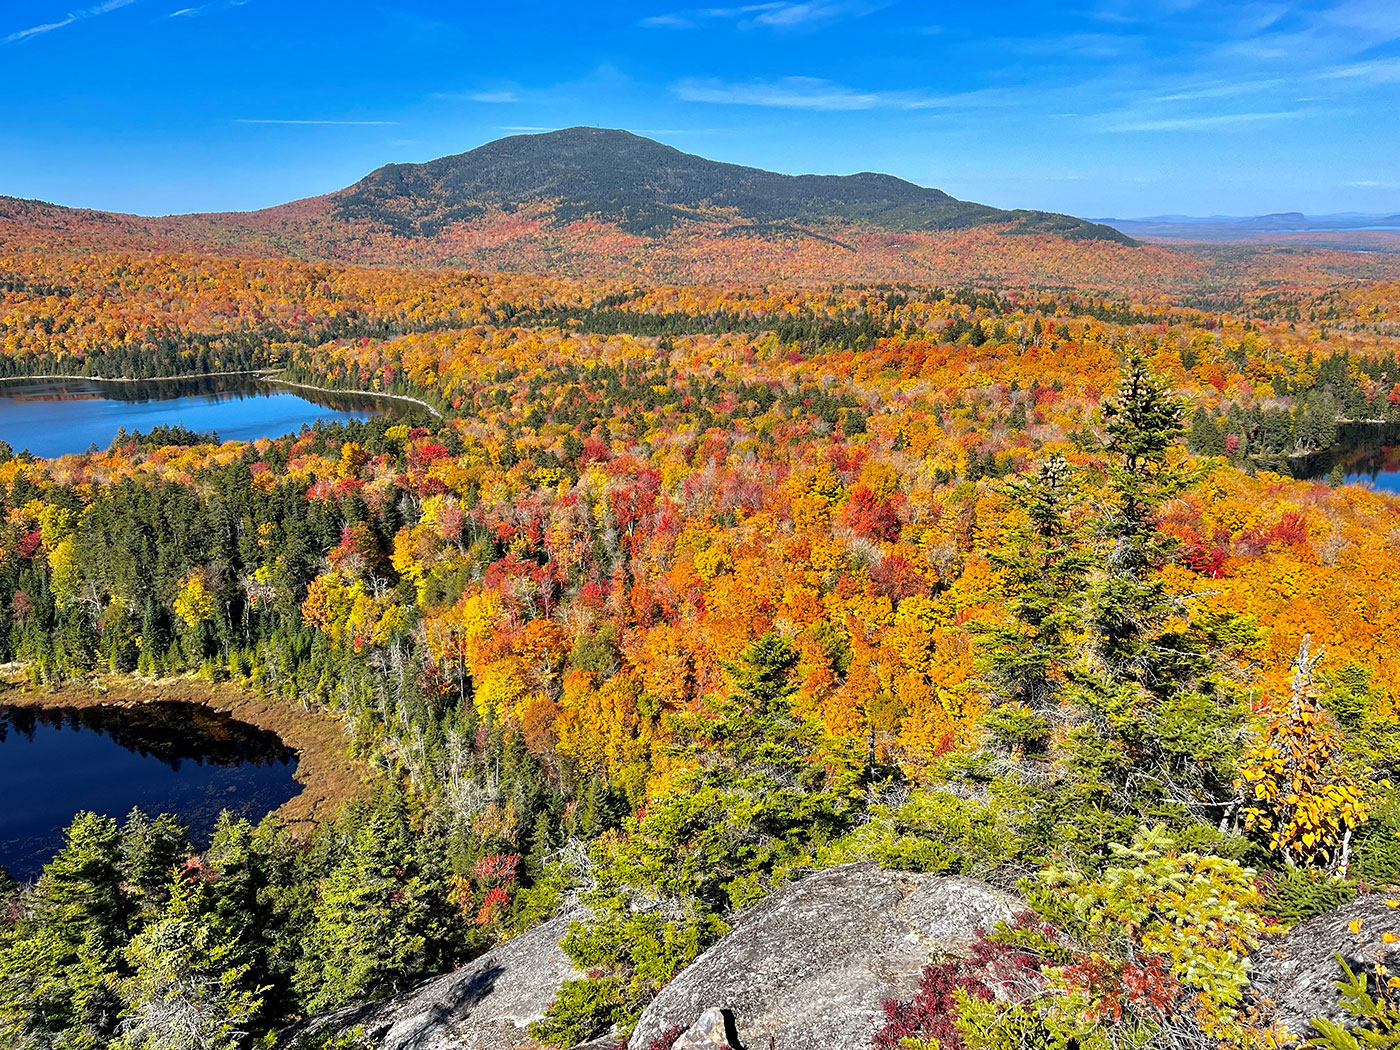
[1205,438]
[1163,721]
[59,965]
[1043,566]
[365,937]
[194,985]
[1128,601]
[753,808]
[261,890]
[757,742]
[150,851]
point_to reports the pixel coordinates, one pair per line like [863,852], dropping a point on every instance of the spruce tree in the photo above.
[1205,438]
[59,965]
[1163,722]
[1129,603]
[194,982]
[150,851]
[1042,564]
[365,938]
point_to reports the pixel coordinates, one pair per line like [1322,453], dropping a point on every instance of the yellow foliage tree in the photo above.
[194,604]
[1298,787]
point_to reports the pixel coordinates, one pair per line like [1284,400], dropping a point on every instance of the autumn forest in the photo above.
[978,550]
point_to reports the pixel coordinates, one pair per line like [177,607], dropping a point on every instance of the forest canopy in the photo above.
[692,588]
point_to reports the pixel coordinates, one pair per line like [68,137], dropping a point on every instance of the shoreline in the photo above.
[147,379]
[267,375]
[329,776]
[356,393]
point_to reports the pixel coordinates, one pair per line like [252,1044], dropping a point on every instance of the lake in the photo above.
[1365,453]
[53,417]
[167,757]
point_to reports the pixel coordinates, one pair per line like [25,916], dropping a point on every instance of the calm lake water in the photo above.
[56,417]
[1365,453]
[165,757]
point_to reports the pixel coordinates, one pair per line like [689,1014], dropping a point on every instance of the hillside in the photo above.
[724,608]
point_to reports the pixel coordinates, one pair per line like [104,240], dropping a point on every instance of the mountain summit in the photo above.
[646,188]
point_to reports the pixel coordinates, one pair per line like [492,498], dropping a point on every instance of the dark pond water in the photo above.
[57,416]
[165,757]
[1364,453]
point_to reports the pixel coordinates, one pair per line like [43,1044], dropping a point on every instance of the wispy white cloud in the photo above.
[1073,45]
[1376,71]
[1200,123]
[669,21]
[775,14]
[1376,19]
[46,27]
[1227,90]
[1310,37]
[67,20]
[789,15]
[817,94]
[476,96]
[206,9]
[1135,11]
[334,123]
[787,93]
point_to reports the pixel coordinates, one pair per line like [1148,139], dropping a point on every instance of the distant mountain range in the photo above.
[1286,226]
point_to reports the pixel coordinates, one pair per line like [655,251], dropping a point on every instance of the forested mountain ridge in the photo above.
[605,204]
[645,187]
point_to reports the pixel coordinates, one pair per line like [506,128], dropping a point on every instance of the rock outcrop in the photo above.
[486,1005]
[809,967]
[1300,973]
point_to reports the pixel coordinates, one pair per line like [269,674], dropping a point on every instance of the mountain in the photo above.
[647,188]
[594,203]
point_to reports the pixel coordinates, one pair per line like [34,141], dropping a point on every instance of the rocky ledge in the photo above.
[810,966]
[806,969]
[486,1005]
[1300,973]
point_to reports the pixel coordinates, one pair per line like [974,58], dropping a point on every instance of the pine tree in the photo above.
[1129,603]
[1164,722]
[150,851]
[757,741]
[1205,438]
[1043,566]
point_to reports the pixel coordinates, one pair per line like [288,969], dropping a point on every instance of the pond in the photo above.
[1365,453]
[53,417]
[166,757]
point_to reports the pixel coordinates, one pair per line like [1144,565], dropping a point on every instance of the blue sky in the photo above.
[1105,107]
